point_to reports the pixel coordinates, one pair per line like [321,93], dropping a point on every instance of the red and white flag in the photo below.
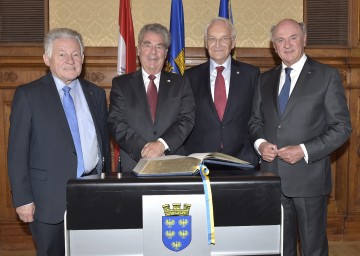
[126,47]
[126,51]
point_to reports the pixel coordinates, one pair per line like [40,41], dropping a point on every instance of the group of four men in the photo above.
[222,105]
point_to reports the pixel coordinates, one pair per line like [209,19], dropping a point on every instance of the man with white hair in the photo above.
[58,131]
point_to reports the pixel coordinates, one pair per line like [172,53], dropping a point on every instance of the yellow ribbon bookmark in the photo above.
[204,172]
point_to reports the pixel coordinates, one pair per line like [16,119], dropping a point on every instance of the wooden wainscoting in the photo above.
[22,64]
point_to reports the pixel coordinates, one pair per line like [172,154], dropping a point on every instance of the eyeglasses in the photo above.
[149,46]
[221,40]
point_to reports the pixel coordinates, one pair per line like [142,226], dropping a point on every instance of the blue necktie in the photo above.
[70,113]
[285,91]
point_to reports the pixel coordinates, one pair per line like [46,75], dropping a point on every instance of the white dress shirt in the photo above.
[88,138]
[226,74]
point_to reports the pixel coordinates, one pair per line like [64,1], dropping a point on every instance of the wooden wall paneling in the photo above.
[354,19]
[352,223]
[18,65]
[13,233]
[337,207]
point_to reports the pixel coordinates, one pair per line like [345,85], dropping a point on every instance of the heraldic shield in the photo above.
[176,230]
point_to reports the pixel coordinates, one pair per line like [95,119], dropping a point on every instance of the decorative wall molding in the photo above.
[95,77]
[8,77]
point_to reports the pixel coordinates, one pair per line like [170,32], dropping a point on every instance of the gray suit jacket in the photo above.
[316,115]
[41,151]
[130,119]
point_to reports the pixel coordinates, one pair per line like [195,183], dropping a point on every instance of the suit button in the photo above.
[155,133]
[279,126]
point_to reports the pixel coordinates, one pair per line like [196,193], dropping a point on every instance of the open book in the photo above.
[185,165]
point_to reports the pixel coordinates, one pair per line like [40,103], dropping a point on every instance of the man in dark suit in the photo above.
[225,131]
[151,111]
[296,134]
[42,152]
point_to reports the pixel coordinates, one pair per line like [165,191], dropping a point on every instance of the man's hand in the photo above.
[26,212]
[268,151]
[153,149]
[291,154]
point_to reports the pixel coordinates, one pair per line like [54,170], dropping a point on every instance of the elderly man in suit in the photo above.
[151,111]
[223,90]
[49,143]
[299,117]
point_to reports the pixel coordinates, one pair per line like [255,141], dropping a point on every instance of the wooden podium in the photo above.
[122,216]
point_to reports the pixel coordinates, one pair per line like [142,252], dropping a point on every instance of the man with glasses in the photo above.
[151,111]
[223,89]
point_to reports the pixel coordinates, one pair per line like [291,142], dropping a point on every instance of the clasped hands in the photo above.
[153,149]
[289,154]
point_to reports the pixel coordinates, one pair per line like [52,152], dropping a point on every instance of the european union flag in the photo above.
[225,9]
[176,54]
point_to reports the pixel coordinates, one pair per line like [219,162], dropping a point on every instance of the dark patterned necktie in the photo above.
[285,91]
[152,96]
[220,93]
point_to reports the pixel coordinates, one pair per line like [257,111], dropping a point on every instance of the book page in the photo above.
[224,157]
[218,156]
[200,156]
[166,166]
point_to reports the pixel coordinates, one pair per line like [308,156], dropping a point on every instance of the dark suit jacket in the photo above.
[130,119]
[41,152]
[208,131]
[316,115]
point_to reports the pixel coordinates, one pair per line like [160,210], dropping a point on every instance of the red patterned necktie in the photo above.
[220,93]
[152,96]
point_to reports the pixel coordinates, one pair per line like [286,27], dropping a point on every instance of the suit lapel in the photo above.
[55,108]
[205,86]
[234,89]
[164,87]
[270,87]
[138,87]
[299,86]
[275,88]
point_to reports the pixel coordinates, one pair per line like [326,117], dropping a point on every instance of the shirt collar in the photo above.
[146,76]
[226,64]
[60,84]
[298,65]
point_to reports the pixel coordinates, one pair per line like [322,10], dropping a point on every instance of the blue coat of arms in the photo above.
[176,227]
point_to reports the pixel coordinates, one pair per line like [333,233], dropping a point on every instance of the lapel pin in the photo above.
[168,80]
[237,72]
